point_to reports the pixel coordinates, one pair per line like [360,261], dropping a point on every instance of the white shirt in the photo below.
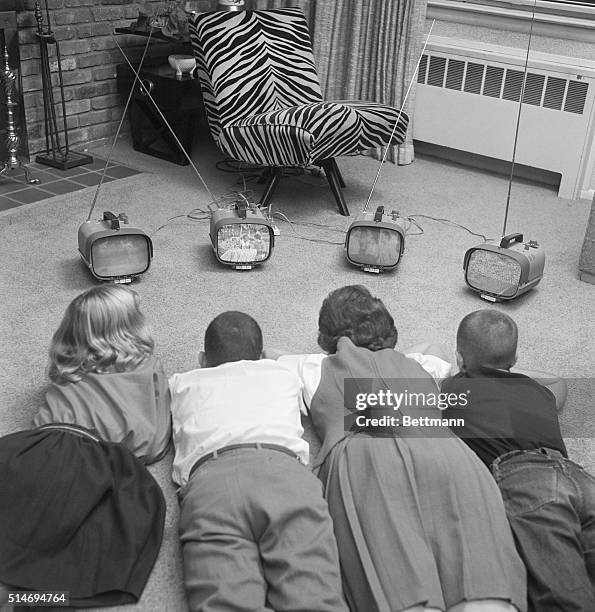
[308,369]
[234,403]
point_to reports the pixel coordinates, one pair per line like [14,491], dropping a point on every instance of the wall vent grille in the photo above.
[567,95]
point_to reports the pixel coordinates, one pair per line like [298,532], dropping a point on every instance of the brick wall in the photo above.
[89,58]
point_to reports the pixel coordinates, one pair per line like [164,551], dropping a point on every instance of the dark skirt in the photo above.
[419,521]
[77,515]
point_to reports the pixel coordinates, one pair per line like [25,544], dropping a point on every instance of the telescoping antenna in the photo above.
[375,241]
[167,124]
[109,156]
[136,72]
[398,118]
[518,120]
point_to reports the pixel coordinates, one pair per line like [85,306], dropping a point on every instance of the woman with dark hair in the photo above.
[419,521]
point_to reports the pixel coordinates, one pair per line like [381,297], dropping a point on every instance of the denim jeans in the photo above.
[550,503]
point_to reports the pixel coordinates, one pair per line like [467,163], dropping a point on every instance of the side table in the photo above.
[180,101]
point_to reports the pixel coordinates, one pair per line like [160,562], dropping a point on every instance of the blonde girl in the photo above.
[85,514]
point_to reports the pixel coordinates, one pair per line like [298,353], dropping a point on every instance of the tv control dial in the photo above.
[146,87]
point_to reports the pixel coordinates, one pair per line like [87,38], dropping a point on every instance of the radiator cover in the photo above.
[468,95]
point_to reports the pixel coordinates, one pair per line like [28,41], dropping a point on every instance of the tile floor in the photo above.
[15,191]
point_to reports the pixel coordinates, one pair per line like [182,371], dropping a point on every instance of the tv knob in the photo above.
[146,87]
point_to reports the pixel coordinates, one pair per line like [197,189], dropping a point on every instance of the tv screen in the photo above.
[494,273]
[247,243]
[120,255]
[368,245]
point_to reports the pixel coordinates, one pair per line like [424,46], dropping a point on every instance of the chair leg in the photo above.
[274,174]
[335,181]
[339,175]
[265,175]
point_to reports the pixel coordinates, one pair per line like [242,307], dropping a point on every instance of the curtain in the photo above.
[308,6]
[365,50]
[369,50]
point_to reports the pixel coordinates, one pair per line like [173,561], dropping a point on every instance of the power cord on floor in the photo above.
[448,222]
[231,197]
[227,200]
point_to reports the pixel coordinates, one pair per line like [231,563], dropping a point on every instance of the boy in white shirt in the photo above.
[254,526]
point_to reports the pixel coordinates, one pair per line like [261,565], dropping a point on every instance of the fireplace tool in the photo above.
[57,150]
[8,78]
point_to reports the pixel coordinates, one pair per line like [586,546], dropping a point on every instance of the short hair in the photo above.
[102,331]
[353,312]
[487,338]
[232,336]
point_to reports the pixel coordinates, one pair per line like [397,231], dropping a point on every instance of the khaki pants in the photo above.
[256,535]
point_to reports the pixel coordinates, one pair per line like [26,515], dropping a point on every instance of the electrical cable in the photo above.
[292,225]
[448,222]
[200,214]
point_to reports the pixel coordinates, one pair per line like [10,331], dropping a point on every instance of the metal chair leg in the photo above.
[339,175]
[269,189]
[335,181]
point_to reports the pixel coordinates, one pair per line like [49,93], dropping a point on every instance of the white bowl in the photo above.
[182,64]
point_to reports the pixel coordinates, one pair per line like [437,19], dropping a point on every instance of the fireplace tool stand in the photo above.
[57,153]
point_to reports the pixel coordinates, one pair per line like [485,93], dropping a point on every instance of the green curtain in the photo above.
[366,50]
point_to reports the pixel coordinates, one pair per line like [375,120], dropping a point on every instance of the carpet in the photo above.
[186,287]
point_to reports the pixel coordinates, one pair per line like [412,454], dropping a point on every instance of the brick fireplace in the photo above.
[89,60]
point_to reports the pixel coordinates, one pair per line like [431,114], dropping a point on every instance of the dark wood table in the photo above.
[180,106]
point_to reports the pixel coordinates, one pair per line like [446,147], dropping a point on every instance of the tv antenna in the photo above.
[518,120]
[136,72]
[398,118]
[119,128]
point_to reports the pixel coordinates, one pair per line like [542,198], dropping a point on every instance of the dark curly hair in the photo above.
[353,312]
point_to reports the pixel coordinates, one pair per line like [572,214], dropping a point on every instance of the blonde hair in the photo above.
[102,331]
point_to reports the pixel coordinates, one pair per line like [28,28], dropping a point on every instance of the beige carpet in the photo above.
[185,287]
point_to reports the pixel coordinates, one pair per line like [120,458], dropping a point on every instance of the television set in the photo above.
[241,236]
[375,241]
[113,252]
[503,270]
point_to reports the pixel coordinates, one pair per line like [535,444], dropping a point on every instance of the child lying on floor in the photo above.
[511,422]
[419,521]
[255,529]
[85,515]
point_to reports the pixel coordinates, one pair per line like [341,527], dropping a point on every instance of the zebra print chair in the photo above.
[263,98]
